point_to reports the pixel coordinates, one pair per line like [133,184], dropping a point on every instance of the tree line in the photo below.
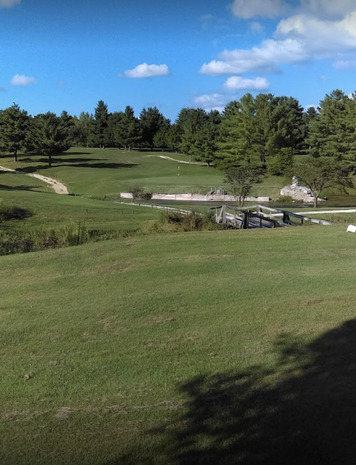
[264,132]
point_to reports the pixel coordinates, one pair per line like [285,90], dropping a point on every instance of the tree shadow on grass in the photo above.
[301,412]
[55,163]
[18,188]
[56,159]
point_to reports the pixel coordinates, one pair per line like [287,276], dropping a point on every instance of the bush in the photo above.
[177,221]
[138,192]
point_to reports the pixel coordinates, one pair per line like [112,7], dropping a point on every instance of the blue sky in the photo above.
[69,54]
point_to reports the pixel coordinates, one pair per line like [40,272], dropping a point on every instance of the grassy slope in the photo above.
[112,337]
[107,172]
[120,352]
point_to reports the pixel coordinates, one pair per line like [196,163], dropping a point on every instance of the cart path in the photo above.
[182,161]
[57,186]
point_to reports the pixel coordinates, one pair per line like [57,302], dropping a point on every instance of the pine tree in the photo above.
[14,126]
[99,136]
[49,135]
[332,131]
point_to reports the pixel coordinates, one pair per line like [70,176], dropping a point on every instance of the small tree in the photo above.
[49,135]
[240,182]
[322,173]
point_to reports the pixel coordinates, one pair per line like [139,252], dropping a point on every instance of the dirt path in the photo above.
[181,161]
[57,186]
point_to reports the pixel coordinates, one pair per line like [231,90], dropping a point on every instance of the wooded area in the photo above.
[265,132]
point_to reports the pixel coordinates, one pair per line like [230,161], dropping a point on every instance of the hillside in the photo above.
[118,352]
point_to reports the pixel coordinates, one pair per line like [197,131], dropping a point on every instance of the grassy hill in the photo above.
[222,347]
[186,348]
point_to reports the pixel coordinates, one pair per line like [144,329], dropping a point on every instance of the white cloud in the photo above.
[9,3]
[145,71]
[327,9]
[267,58]
[247,9]
[239,83]
[212,101]
[320,36]
[21,80]
[314,30]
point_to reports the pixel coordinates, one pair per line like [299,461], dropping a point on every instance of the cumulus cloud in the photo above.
[314,30]
[267,58]
[145,71]
[327,9]
[21,80]
[210,102]
[9,3]
[239,83]
[320,35]
[247,9]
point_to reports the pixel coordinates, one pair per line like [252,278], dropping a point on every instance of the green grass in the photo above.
[174,349]
[224,347]
[111,171]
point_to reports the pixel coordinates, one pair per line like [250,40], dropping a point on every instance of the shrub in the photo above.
[177,221]
[138,192]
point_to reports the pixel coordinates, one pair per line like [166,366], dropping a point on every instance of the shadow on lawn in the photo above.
[307,417]
[18,188]
[56,162]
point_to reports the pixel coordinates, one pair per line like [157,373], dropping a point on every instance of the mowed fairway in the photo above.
[97,172]
[198,348]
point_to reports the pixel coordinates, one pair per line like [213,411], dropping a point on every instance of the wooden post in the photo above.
[245,220]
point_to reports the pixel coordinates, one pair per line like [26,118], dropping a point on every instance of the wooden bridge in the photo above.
[260,216]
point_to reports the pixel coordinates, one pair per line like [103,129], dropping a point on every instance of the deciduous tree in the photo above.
[322,173]
[240,181]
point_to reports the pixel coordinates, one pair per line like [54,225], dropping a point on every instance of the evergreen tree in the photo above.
[49,135]
[128,129]
[206,141]
[255,129]
[151,121]
[190,122]
[332,131]
[99,136]
[82,128]
[14,130]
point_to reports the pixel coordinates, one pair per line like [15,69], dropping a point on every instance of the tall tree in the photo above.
[151,121]
[127,129]
[255,129]
[67,123]
[82,128]
[14,129]
[99,133]
[206,139]
[333,130]
[190,122]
